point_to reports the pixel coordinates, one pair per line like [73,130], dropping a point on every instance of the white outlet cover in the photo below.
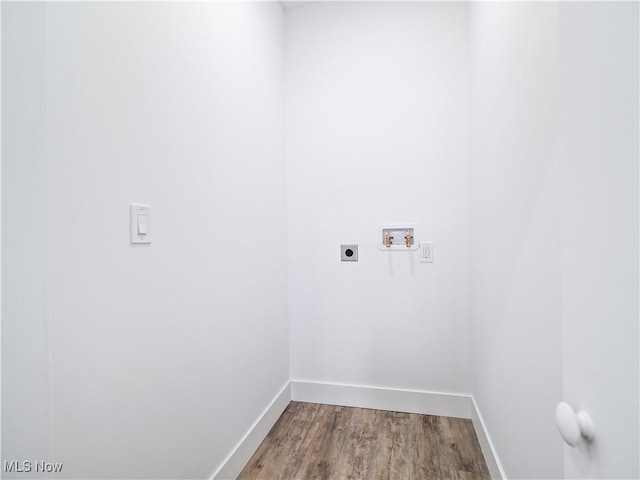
[134,211]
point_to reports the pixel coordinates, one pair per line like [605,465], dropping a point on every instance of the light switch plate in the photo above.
[426,252]
[137,212]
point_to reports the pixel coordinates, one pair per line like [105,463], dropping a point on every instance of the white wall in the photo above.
[377,132]
[0,224]
[515,241]
[555,232]
[26,333]
[598,151]
[160,363]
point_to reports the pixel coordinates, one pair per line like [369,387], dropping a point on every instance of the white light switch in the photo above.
[426,252]
[140,223]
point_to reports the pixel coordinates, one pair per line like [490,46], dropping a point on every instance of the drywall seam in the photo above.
[486,445]
[242,452]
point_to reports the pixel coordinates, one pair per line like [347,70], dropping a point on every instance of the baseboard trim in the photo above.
[399,400]
[486,445]
[246,447]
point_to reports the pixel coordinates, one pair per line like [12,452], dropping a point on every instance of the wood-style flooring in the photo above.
[314,441]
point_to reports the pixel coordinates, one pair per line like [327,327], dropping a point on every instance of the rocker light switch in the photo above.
[139,223]
[142,224]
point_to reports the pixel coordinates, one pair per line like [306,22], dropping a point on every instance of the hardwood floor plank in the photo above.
[298,455]
[424,431]
[272,457]
[471,439]
[381,466]
[462,475]
[366,445]
[459,448]
[399,464]
[325,449]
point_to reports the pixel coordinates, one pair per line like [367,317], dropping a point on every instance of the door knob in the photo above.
[573,426]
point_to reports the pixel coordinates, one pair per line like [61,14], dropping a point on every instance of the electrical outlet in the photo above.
[426,252]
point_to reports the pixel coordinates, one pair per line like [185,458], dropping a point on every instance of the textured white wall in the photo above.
[160,363]
[377,124]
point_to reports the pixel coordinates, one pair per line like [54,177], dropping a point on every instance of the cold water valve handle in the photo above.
[408,239]
[573,426]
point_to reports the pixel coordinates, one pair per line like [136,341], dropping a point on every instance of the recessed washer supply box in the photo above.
[397,237]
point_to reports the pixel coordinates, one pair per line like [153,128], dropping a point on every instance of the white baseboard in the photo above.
[410,401]
[486,445]
[246,447]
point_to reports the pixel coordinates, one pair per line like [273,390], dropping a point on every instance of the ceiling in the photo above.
[291,4]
